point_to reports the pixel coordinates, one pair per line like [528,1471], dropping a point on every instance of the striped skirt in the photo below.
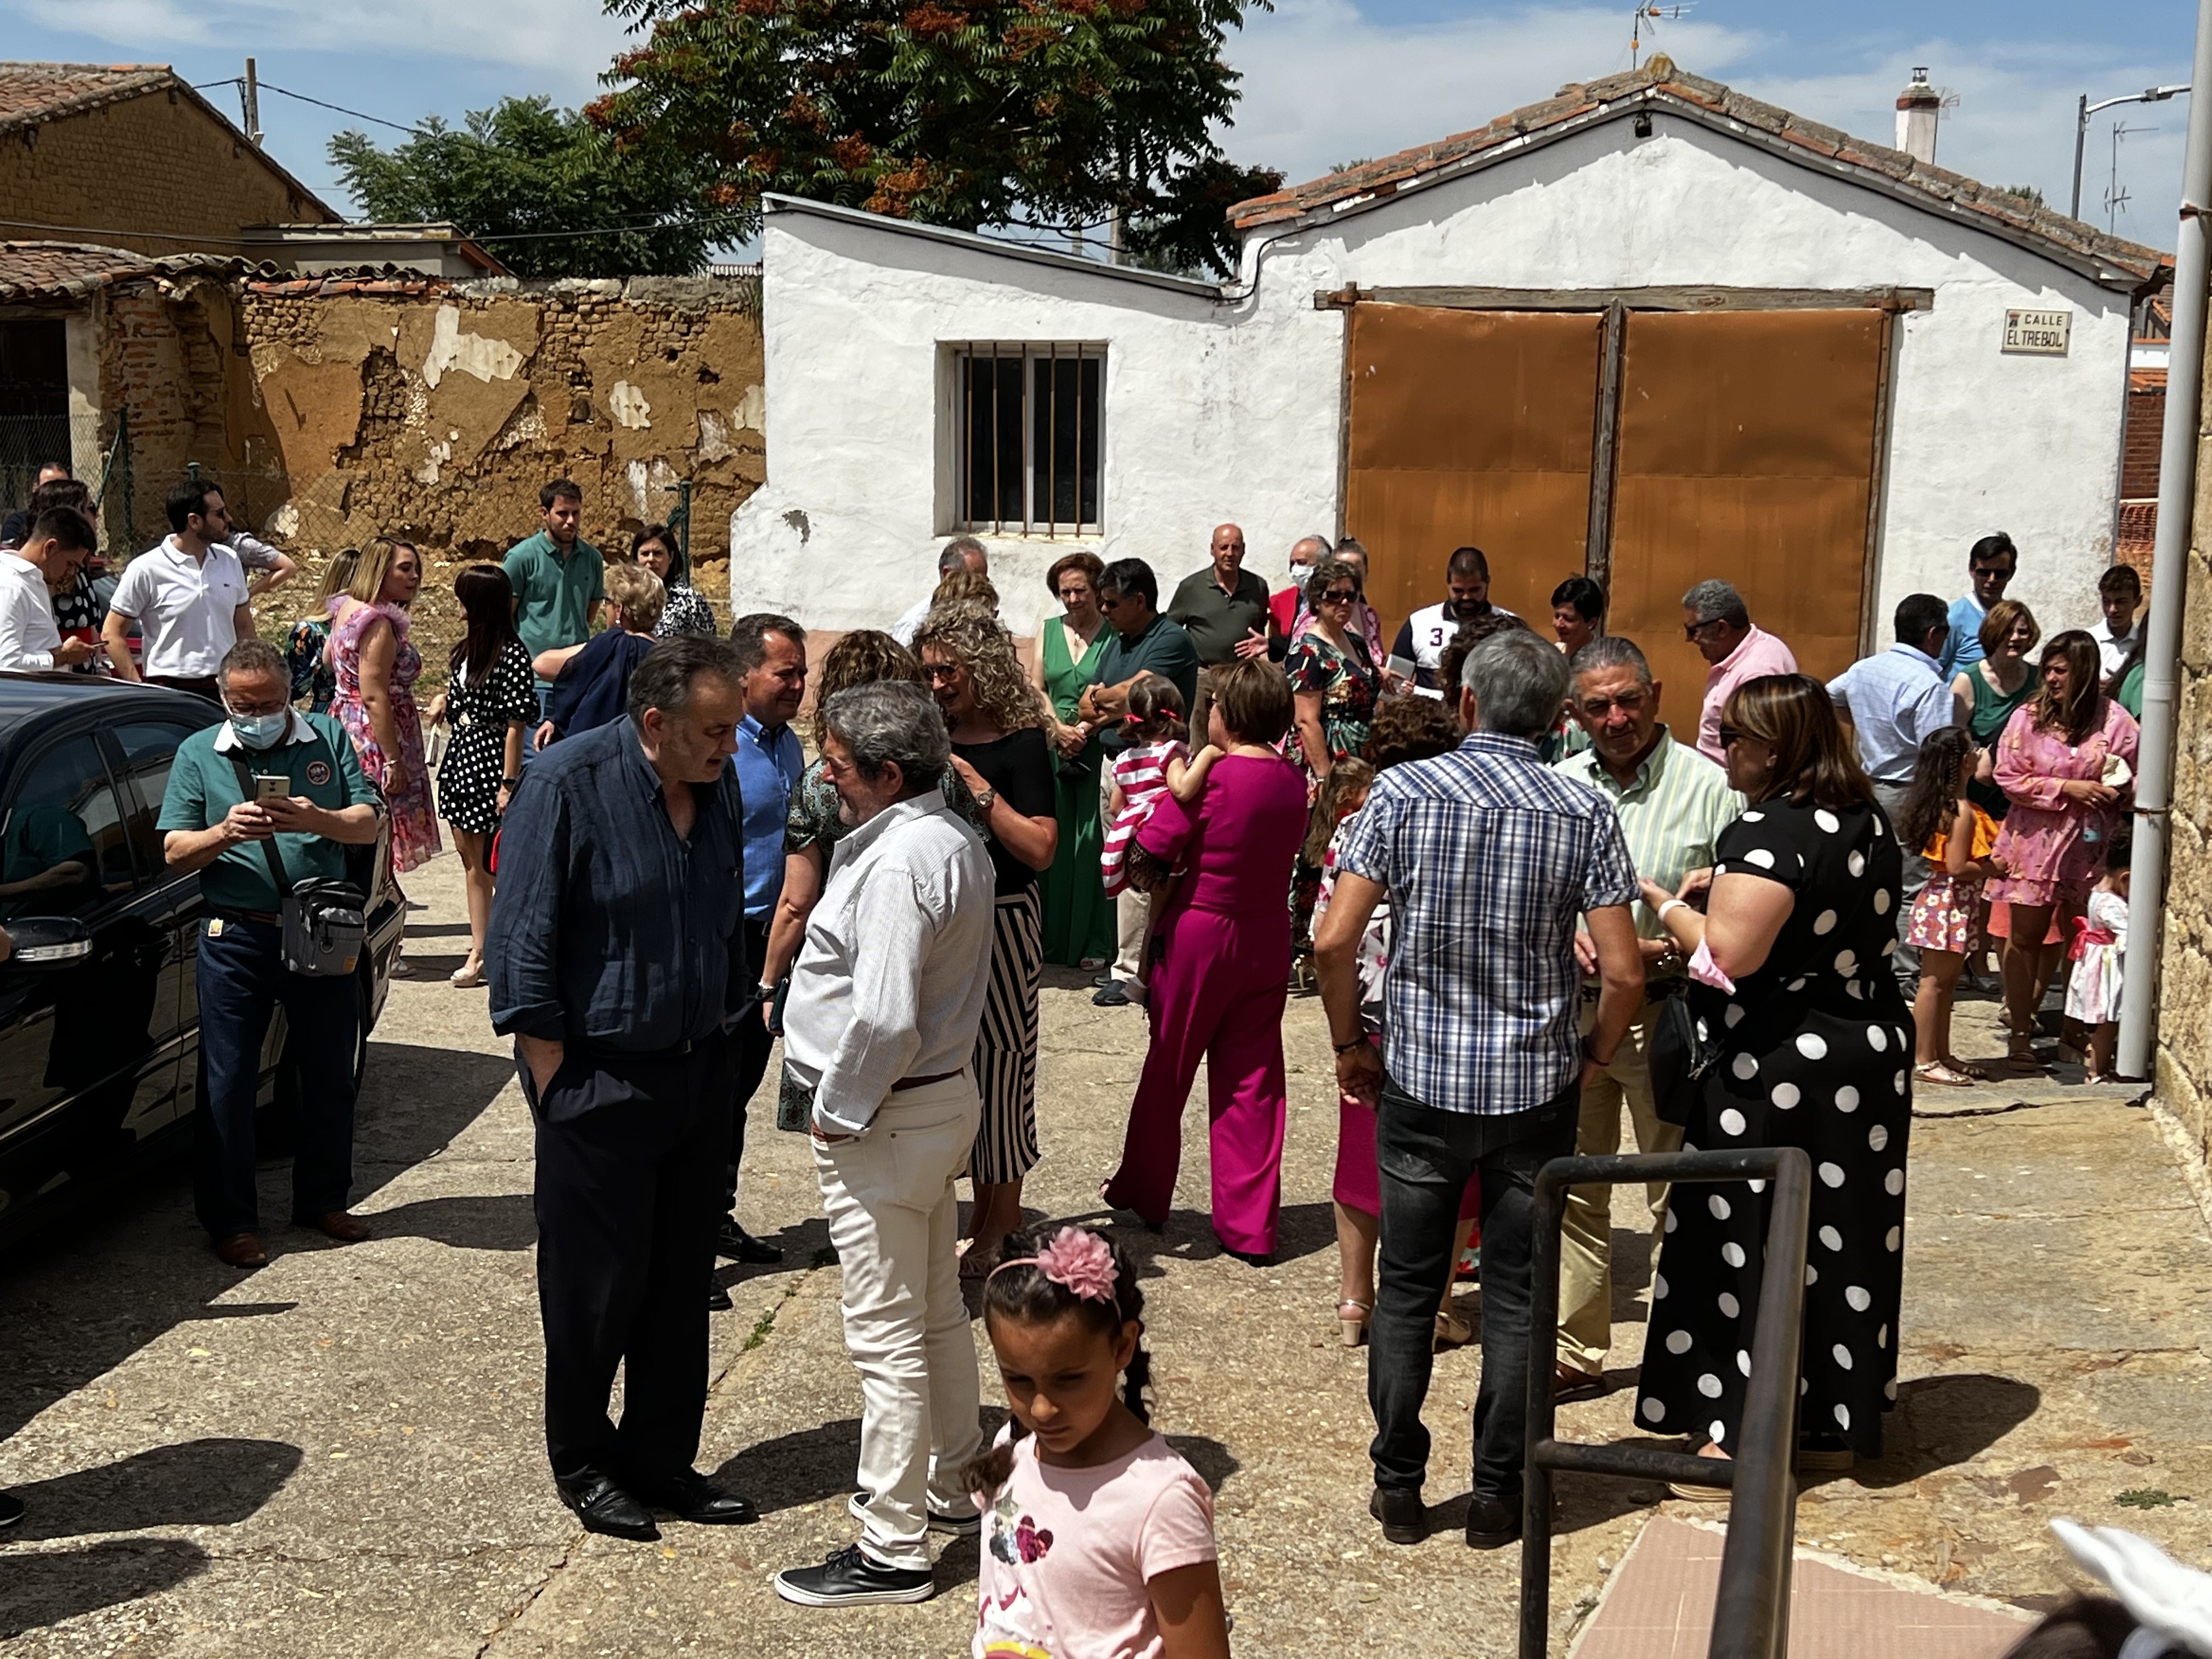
[1007,1046]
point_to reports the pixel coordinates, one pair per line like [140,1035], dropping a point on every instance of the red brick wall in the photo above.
[2139,461]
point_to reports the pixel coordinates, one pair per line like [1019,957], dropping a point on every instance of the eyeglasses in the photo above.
[935,673]
[1692,631]
[1340,596]
[1730,734]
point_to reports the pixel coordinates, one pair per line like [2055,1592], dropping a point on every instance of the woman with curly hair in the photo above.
[999,751]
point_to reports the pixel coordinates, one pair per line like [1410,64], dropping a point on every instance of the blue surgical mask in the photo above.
[260,731]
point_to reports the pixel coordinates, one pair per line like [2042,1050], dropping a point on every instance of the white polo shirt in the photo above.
[1429,630]
[184,606]
[28,633]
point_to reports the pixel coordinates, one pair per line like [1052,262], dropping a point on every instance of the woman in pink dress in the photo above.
[2066,762]
[376,666]
[1222,951]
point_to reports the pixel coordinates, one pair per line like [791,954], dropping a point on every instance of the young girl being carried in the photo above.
[1154,761]
[1957,838]
[1097,1537]
[2100,953]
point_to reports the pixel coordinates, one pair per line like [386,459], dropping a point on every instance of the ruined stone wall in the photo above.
[435,411]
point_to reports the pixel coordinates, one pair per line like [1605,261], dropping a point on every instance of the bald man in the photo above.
[1224,608]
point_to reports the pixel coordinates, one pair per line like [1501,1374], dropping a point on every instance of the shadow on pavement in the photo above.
[195,1483]
[46,1587]
[794,1470]
[1942,1420]
[475,1222]
[1301,1230]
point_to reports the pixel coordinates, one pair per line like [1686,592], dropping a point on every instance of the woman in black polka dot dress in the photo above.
[1816,1052]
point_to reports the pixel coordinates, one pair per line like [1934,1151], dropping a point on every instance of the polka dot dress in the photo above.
[1817,1053]
[478,713]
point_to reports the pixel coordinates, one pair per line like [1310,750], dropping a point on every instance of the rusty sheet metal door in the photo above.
[1746,450]
[1469,427]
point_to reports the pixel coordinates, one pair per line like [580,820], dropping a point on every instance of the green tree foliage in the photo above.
[968,113]
[524,167]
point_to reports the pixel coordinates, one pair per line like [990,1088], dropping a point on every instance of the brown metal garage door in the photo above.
[1470,427]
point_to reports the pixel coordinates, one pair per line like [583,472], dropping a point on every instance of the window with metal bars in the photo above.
[1026,441]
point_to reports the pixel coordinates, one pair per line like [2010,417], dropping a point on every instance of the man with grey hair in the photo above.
[1287,604]
[961,553]
[886,997]
[1487,856]
[1716,620]
[1672,803]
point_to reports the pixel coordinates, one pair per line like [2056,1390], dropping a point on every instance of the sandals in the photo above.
[1966,1068]
[467,976]
[1934,1071]
[975,1265]
[2020,1053]
[1454,1330]
[1351,1317]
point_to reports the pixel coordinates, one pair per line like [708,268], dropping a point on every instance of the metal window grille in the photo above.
[1027,428]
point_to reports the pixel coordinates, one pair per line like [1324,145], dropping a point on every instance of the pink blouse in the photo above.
[2053,847]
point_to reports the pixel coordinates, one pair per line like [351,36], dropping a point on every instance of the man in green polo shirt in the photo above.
[1673,804]
[559,580]
[1224,608]
[315,803]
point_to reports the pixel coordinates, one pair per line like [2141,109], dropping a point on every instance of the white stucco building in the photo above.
[1649,329]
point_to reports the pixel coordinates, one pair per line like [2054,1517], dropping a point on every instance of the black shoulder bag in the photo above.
[324,922]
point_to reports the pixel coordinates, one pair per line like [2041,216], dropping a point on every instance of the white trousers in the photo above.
[893,1218]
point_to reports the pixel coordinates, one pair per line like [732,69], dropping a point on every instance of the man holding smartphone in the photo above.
[303,794]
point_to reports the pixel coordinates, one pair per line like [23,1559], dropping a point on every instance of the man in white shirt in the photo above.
[1423,636]
[886,997]
[2118,632]
[187,595]
[59,542]
[961,553]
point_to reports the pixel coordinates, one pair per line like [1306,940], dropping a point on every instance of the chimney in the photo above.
[1917,107]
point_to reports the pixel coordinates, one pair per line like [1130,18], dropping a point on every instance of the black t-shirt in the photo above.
[1019,766]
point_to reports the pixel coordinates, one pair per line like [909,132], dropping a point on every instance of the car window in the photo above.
[149,747]
[62,847]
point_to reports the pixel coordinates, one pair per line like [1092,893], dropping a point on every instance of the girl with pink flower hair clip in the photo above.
[1097,1536]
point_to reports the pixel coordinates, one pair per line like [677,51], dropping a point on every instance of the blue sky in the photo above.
[1326,81]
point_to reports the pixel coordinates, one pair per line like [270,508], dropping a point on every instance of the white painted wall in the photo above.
[1229,408]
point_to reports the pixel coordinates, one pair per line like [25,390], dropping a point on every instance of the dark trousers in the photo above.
[241,977]
[530,734]
[627,1171]
[1424,1158]
[752,1042]
[1916,872]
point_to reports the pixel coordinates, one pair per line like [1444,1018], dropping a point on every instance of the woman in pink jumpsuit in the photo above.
[1222,961]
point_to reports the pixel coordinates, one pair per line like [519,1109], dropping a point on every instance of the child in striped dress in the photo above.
[1155,761]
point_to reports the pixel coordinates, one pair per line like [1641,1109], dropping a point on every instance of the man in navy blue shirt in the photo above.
[617,952]
[770,653]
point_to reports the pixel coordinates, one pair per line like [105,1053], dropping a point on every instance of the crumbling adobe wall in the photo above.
[433,412]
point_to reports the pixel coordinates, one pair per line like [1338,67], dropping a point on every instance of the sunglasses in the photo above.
[934,673]
[1692,631]
[1729,735]
[1340,596]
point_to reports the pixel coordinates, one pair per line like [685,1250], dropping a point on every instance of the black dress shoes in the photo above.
[735,1243]
[1404,1518]
[718,1297]
[1492,1523]
[602,1506]
[692,1497]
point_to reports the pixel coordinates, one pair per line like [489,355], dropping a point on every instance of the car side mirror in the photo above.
[48,941]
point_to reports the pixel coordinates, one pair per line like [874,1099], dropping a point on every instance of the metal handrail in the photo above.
[1751,1611]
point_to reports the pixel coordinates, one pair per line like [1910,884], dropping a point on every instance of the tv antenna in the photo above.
[1648,14]
[2116,194]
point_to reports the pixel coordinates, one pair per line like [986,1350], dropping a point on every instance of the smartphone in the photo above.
[267,788]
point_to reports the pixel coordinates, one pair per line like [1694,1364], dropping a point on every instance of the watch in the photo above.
[985,801]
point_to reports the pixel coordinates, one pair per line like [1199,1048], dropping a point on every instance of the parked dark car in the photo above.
[99,1016]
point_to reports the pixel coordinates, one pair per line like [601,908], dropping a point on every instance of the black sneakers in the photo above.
[849,1579]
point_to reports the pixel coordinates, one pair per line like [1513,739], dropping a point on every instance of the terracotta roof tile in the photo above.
[68,271]
[32,92]
[1660,84]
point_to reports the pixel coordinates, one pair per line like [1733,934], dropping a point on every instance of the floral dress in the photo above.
[414,824]
[686,612]
[2053,847]
[1348,685]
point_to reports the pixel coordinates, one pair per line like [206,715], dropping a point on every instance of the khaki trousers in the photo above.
[1586,1239]
[1132,909]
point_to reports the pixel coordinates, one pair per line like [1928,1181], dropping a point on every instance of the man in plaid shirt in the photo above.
[1488,858]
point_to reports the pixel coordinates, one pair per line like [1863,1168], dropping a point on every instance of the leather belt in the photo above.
[906,1083]
[266,918]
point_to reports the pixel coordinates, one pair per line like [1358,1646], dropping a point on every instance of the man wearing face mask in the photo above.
[303,791]
[1287,604]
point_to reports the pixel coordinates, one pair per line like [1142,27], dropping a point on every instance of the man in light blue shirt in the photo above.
[1893,702]
[1990,563]
[770,651]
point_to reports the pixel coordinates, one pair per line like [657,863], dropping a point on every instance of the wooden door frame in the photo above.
[1616,304]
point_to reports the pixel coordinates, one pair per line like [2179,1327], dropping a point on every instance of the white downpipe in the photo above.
[2177,497]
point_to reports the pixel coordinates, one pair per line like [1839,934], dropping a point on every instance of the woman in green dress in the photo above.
[1988,690]
[1078,917]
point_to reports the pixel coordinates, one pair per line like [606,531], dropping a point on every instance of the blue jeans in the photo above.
[530,734]
[241,977]
[1424,1158]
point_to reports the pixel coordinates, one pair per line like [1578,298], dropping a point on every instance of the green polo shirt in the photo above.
[1164,648]
[554,595]
[316,755]
[1670,816]
[1218,623]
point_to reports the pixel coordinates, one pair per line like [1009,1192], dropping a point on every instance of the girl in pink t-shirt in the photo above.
[1097,1537]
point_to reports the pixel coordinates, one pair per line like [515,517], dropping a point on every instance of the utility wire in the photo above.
[271,86]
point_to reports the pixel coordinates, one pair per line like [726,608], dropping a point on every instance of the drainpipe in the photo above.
[2176,494]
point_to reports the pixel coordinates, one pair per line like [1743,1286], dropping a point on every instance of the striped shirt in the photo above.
[1670,816]
[1490,859]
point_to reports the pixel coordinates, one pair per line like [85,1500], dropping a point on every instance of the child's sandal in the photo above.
[1934,1071]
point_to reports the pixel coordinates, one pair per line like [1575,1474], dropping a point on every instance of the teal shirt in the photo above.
[317,757]
[554,596]
[1164,648]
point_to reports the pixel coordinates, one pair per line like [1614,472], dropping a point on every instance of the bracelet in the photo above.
[1359,1041]
[1672,904]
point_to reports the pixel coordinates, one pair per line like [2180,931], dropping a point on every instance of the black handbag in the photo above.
[324,923]
[1680,1057]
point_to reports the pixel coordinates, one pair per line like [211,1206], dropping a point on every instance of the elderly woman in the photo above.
[998,751]
[1216,984]
[2066,762]
[1332,673]
[591,681]
[1078,917]
[685,609]
[1578,613]
[1792,981]
[375,667]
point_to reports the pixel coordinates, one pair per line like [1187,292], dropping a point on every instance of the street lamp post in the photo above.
[2085,109]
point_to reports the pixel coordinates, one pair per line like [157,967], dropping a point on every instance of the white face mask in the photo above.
[1300,575]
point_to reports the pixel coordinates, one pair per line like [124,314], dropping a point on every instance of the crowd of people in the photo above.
[1528,906]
